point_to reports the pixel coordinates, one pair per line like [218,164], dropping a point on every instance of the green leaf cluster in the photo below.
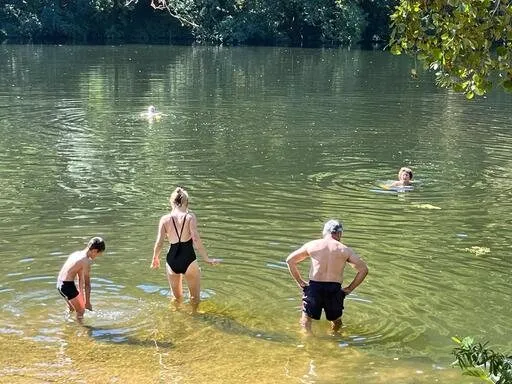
[468,44]
[476,359]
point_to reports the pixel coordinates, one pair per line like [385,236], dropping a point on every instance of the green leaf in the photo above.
[479,91]
[501,51]
[507,84]
[437,53]
[396,50]
[468,341]
[458,88]
[470,95]
[475,372]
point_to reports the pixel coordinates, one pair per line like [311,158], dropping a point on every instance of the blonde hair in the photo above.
[406,170]
[179,198]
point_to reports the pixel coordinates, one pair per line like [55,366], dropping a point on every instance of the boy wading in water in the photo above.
[78,265]
[323,290]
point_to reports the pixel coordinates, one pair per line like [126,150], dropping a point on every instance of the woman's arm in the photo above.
[160,236]
[198,243]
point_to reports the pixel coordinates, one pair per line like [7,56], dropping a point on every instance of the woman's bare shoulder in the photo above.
[165,218]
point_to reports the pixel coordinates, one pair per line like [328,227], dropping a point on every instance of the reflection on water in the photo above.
[270,143]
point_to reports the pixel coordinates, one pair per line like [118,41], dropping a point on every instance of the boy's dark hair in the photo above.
[96,243]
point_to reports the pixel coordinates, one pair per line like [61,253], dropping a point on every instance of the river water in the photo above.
[270,143]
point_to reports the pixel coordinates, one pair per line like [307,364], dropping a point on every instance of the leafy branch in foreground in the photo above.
[476,359]
[467,43]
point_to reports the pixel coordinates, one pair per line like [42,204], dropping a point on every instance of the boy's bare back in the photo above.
[76,263]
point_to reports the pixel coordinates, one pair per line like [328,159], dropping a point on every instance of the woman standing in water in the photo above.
[180,228]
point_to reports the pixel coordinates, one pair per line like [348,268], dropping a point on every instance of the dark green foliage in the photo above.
[289,22]
[467,43]
[294,22]
[255,22]
[18,19]
[86,21]
[476,359]
[377,16]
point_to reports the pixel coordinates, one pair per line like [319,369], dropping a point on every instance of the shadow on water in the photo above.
[120,336]
[228,324]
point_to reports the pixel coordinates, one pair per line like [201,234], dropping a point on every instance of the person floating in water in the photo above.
[180,229]
[404,177]
[323,290]
[151,113]
[78,265]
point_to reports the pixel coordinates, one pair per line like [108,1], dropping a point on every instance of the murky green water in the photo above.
[270,142]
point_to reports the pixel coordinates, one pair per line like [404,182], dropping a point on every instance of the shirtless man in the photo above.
[78,265]
[323,290]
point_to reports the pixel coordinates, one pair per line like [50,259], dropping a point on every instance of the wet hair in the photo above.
[406,170]
[179,198]
[96,243]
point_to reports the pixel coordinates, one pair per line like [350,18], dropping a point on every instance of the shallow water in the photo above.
[270,143]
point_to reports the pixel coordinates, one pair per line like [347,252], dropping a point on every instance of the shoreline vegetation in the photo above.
[303,23]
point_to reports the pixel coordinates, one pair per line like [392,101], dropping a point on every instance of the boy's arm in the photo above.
[296,257]
[86,284]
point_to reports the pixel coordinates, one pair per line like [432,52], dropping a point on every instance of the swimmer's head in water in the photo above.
[179,198]
[151,109]
[405,170]
[96,243]
[331,227]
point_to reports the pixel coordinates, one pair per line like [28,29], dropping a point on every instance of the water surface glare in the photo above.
[270,143]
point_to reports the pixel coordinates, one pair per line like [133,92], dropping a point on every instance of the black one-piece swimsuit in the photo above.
[181,254]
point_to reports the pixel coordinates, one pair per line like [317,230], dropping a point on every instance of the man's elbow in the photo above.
[362,269]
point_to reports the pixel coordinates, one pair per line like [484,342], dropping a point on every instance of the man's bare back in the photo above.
[328,259]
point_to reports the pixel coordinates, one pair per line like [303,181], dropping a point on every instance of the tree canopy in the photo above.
[310,23]
[271,22]
[467,43]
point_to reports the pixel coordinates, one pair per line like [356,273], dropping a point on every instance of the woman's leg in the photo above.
[193,277]
[176,285]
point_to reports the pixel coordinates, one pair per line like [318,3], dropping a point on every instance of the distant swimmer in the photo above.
[323,290]
[151,113]
[180,229]
[78,265]
[404,178]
